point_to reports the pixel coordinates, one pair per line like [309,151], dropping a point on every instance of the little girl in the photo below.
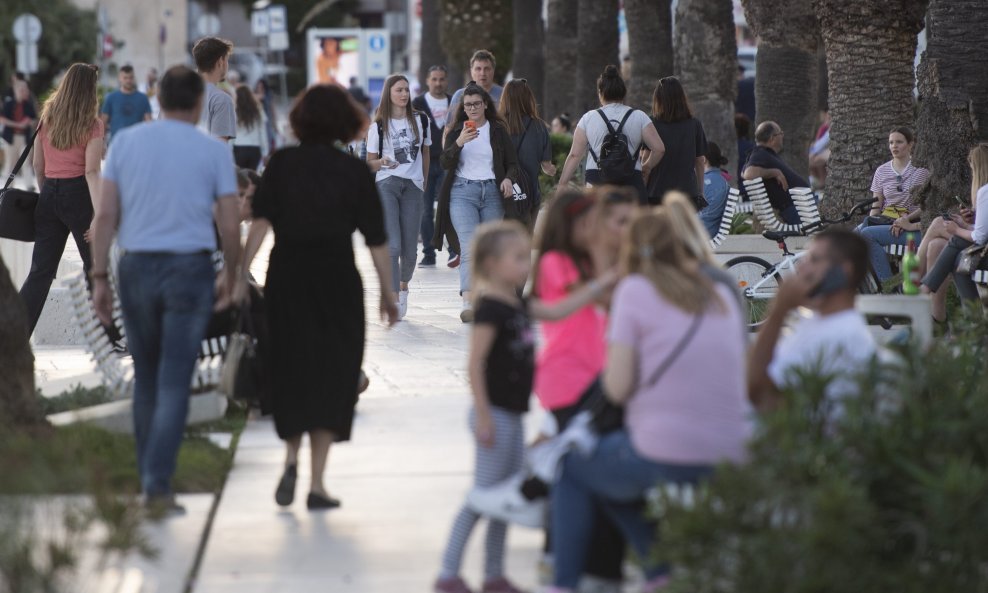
[501,367]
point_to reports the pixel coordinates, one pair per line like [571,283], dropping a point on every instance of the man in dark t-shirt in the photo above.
[765,162]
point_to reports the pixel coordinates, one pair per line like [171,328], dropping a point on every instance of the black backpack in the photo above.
[616,162]
[423,122]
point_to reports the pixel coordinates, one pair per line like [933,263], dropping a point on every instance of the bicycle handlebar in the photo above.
[860,207]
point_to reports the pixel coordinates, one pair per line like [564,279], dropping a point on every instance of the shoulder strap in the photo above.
[624,120]
[23,157]
[380,139]
[607,121]
[677,350]
[523,134]
[424,119]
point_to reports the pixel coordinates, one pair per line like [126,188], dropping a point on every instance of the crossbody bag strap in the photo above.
[20,161]
[677,350]
[522,139]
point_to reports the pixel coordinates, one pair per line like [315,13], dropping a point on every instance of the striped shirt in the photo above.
[895,188]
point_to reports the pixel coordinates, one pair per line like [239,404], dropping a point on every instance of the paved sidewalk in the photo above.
[401,479]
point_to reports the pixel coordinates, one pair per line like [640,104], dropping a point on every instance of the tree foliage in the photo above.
[468,25]
[888,494]
[69,35]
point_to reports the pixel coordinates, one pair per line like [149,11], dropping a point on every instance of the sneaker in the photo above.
[402,304]
[452,585]
[500,585]
[428,261]
[466,313]
[163,507]
[505,502]
[454,260]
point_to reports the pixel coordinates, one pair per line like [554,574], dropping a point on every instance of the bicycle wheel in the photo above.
[758,282]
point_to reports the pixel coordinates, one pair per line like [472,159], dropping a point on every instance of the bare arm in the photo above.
[577,152]
[227,215]
[876,209]
[754,172]
[374,162]
[94,154]
[656,148]
[425,163]
[104,226]
[39,166]
[580,298]
[106,120]
[481,340]
[382,265]
[762,391]
[259,228]
[619,376]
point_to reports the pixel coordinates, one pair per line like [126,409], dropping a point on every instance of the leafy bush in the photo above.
[741,224]
[75,398]
[889,495]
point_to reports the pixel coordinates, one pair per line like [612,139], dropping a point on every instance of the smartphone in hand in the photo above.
[834,280]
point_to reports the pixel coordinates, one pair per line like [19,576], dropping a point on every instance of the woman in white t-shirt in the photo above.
[592,130]
[396,150]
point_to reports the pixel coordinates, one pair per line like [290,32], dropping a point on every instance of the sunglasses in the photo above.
[898,179]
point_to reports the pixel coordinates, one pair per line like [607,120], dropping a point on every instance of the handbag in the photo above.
[699,202]
[240,377]
[17,205]
[971,258]
[606,416]
[519,205]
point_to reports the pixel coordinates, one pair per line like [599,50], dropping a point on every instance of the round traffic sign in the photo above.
[27,28]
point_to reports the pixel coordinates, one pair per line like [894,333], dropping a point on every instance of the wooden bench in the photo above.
[730,209]
[802,198]
[118,377]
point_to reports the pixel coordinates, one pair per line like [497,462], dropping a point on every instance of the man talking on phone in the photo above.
[833,339]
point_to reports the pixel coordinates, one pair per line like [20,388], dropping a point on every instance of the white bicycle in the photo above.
[759,280]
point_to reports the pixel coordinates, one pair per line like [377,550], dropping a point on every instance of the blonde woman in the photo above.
[67,166]
[668,321]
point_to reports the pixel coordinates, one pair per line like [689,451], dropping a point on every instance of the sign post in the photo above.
[27,32]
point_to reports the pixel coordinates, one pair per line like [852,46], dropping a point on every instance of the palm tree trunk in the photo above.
[560,58]
[788,67]
[953,99]
[430,50]
[598,48]
[707,66]
[529,57]
[650,46]
[870,49]
[18,404]
[467,25]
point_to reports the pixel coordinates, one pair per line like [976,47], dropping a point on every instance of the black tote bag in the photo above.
[17,205]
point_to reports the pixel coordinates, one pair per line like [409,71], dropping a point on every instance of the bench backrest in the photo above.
[802,198]
[730,209]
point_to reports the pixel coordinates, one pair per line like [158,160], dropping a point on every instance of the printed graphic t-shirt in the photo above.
[400,146]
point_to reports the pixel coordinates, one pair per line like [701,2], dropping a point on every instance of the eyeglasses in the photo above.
[474,105]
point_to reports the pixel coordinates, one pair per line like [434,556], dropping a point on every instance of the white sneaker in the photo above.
[504,501]
[402,303]
[466,313]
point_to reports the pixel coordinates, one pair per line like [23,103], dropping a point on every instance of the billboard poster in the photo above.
[337,55]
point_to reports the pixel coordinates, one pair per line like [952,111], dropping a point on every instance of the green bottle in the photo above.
[910,268]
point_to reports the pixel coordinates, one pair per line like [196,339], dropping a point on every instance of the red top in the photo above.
[66,164]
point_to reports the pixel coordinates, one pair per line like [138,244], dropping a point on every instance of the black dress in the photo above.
[684,142]
[315,197]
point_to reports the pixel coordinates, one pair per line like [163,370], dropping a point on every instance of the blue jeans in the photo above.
[878,238]
[167,300]
[617,477]
[401,200]
[472,203]
[432,185]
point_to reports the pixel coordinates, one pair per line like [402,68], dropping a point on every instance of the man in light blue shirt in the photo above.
[482,65]
[163,185]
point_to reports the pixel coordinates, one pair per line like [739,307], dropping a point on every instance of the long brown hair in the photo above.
[654,250]
[517,101]
[72,109]
[688,227]
[382,117]
[669,102]
[248,110]
[557,233]
[978,159]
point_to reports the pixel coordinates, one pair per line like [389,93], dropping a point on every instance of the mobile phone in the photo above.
[469,123]
[834,280]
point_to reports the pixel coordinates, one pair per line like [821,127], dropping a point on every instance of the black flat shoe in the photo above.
[285,494]
[318,502]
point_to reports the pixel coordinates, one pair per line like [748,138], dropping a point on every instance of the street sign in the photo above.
[278,41]
[259,23]
[208,24]
[27,28]
[377,54]
[27,57]
[277,18]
